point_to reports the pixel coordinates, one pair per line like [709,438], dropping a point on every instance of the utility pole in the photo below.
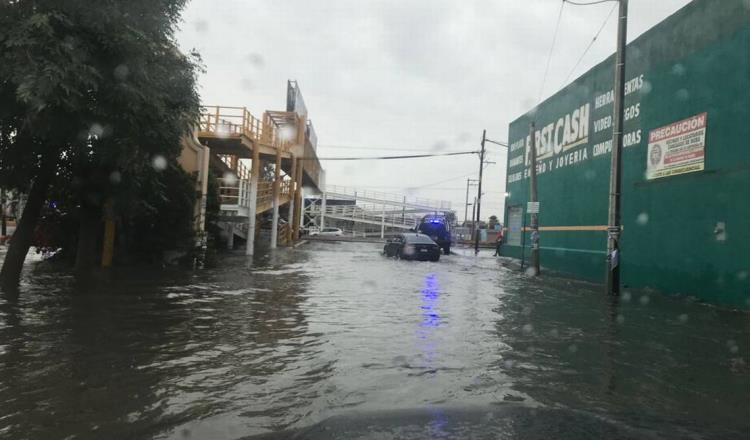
[615,178]
[469,182]
[473,217]
[479,193]
[466,204]
[533,198]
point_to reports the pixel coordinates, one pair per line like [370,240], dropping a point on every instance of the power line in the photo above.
[411,156]
[588,3]
[358,147]
[590,44]
[551,49]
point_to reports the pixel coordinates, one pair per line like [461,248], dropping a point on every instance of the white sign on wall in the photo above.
[677,148]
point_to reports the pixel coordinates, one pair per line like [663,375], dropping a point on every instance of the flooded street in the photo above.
[330,328]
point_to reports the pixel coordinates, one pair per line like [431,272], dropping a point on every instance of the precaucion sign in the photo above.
[677,148]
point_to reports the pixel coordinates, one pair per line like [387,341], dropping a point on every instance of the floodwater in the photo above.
[329,329]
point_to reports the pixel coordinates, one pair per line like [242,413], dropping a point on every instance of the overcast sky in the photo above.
[380,77]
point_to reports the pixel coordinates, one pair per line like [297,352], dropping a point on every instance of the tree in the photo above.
[94,91]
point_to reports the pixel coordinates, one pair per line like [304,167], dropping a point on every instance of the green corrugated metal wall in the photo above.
[696,61]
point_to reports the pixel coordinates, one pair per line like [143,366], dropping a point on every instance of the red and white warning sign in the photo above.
[677,148]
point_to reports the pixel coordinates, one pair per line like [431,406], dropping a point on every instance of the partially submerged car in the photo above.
[412,246]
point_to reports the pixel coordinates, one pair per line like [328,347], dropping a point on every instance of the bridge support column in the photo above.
[323,211]
[253,202]
[297,202]
[292,200]
[276,189]
[382,222]
[230,236]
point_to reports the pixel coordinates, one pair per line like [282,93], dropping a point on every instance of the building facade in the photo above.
[686,162]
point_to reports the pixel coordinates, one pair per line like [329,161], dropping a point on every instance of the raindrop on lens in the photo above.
[287,133]
[96,130]
[678,69]
[528,328]
[229,179]
[159,162]
[642,219]
[573,348]
[626,296]
[115,177]
[683,318]
[683,95]
[645,299]
[620,319]
[742,275]
[121,72]
[646,88]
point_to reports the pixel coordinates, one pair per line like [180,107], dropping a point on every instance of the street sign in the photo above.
[532,208]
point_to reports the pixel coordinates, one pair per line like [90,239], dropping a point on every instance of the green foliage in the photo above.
[160,212]
[103,87]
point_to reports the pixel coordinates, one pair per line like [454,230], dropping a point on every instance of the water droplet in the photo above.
[642,219]
[121,72]
[96,130]
[246,84]
[573,348]
[115,177]
[683,318]
[508,364]
[682,95]
[678,69]
[626,297]
[734,349]
[439,146]
[229,179]
[287,133]
[531,271]
[255,59]
[589,175]
[159,162]
[222,131]
[554,333]
[646,88]
[742,275]
[528,328]
[645,299]
[620,319]
[201,26]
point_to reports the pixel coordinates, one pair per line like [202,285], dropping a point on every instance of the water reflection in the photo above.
[301,335]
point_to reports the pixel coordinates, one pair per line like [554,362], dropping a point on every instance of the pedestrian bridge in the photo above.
[261,165]
[367,208]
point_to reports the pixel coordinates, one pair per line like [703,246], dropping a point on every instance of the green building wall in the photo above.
[696,61]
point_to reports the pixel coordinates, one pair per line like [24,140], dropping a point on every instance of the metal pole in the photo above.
[466,204]
[479,192]
[473,217]
[533,198]
[615,179]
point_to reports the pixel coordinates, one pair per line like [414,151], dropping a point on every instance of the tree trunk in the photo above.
[88,235]
[22,237]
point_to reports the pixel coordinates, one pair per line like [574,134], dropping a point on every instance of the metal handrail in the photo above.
[389,197]
[224,121]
